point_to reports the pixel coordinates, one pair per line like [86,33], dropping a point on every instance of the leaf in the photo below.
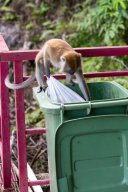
[121,26]
[111,34]
[30,5]
[33,117]
[107,37]
[8,9]
[41,10]
[124,14]
[47,23]
[6,2]
[29,26]
[122,4]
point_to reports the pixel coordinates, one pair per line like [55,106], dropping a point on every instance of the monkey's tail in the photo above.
[21,85]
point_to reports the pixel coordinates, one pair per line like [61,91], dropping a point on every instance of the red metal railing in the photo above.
[17,57]
[4,122]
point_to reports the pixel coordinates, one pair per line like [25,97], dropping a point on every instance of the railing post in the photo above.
[4,123]
[20,127]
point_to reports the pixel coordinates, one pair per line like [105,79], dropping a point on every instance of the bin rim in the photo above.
[49,107]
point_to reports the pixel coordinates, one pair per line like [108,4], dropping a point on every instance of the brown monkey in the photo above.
[60,55]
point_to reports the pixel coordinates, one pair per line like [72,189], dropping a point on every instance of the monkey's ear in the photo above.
[63,59]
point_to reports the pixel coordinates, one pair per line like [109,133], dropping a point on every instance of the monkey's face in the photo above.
[71,62]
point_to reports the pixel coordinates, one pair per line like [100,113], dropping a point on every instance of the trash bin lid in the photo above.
[91,154]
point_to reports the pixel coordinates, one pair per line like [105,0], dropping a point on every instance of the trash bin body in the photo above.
[88,142]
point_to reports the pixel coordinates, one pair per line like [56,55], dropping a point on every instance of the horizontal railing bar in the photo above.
[98,74]
[93,74]
[19,55]
[35,131]
[86,52]
[103,51]
[106,74]
[39,182]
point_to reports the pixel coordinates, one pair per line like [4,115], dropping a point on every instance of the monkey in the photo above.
[59,54]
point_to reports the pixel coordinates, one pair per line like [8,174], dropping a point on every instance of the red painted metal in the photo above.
[103,51]
[34,131]
[97,74]
[5,132]
[13,178]
[20,127]
[4,122]
[92,74]
[18,55]
[86,52]
[7,175]
[1,174]
[39,182]
[106,74]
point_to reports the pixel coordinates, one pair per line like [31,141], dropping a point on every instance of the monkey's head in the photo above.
[70,62]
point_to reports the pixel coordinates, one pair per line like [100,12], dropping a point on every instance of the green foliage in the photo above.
[87,23]
[103,21]
[6,2]
[7,13]
[100,23]
[41,10]
[33,116]
[29,26]
[123,82]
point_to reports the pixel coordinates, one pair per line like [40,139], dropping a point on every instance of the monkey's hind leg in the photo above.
[47,64]
[40,78]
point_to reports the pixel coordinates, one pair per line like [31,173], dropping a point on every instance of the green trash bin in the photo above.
[88,142]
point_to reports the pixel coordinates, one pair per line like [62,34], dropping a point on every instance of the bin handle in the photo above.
[75,106]
[85,105]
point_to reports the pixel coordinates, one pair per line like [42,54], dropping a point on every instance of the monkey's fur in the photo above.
[61,55]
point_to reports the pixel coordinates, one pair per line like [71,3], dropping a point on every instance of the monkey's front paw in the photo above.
[40,89]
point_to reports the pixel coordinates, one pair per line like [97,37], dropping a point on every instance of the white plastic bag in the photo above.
[59,93]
